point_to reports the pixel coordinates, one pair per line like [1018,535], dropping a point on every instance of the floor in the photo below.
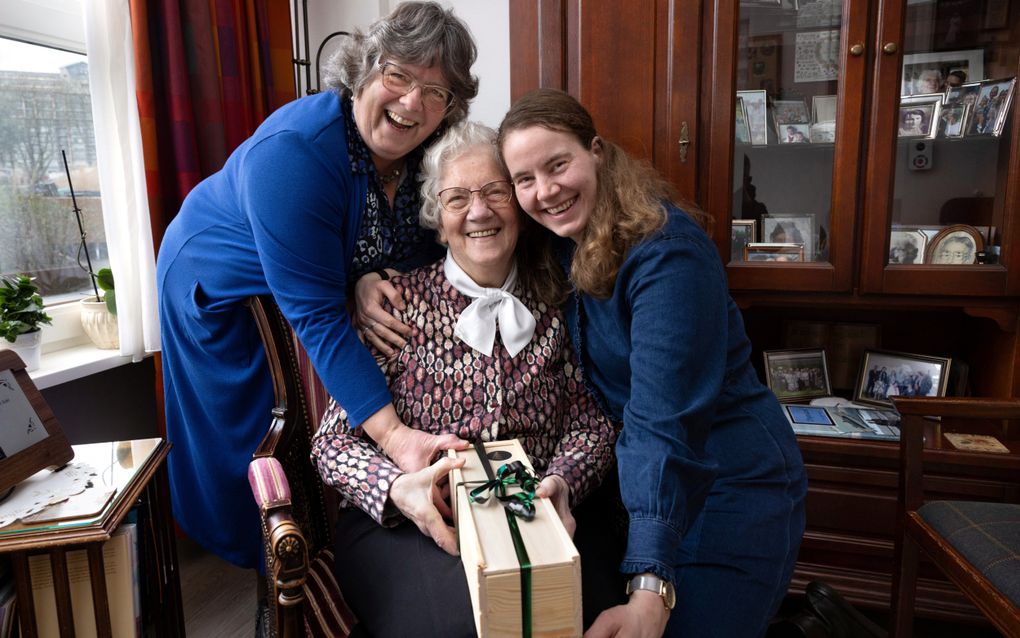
[219,598]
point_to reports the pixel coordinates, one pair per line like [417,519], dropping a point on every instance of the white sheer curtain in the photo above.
[122,173]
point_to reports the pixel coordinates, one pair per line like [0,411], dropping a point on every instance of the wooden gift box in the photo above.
[491,563]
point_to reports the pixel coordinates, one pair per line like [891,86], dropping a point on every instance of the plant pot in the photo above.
[99,324]
[28,346]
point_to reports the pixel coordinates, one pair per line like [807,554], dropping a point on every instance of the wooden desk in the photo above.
[136,470]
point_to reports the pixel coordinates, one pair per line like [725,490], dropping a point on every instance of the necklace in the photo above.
[390,176]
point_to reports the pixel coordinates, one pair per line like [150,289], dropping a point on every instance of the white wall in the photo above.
[489,22]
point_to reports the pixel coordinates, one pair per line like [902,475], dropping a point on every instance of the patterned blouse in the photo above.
[441,385]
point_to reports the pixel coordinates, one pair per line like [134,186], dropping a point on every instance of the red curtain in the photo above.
[208,73]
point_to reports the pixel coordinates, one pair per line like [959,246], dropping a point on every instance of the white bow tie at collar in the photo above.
[476,326]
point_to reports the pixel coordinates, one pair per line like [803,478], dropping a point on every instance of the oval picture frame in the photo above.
[961,232]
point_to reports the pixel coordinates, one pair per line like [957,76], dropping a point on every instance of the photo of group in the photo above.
[887,374]
[797,375]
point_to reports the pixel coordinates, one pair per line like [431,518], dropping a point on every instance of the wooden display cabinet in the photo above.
[661,79]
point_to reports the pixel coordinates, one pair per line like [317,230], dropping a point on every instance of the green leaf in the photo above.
[104,278]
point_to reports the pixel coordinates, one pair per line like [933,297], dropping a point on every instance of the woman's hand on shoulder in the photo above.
[380,327]
[555,488]
[644,616]
[414,493]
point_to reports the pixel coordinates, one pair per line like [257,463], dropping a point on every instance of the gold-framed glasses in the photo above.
[433,96]
[457,200]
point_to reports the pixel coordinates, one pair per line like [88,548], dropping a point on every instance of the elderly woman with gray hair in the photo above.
[488,358]
[323,192]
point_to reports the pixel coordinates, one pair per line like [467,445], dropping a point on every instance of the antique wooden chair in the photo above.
[976,544]
[297,512]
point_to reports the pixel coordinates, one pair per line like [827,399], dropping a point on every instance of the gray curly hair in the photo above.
[456,142]
[422,33]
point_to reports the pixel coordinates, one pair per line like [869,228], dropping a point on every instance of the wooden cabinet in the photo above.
[663,77]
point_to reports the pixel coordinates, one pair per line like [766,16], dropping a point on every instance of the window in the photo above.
[45,113]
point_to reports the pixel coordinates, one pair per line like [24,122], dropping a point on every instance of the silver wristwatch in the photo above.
[653,583]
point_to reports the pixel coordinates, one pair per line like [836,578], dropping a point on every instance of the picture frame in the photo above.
[31,438]
[741,131]
[970,61]
[957,245]
[792,133]
[823,108]
[885,373]
[763,59]
[823,133]
[907,247]
[816,56]
[790,229]
[797,375]
[766,251]
[755,113]
[742,232]
[957,23]
[953,120]
[918,115]
[791,112]
[963,94]
[989,112]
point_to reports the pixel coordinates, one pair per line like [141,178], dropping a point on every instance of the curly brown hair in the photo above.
[630,198]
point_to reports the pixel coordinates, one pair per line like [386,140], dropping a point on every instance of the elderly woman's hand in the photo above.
[644,616]
[413,494]
[381,328]
[554,488]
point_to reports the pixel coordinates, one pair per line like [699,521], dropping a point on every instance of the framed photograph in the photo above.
[919,115]
[963,94]
[907,246]
[955,245]
[952,120]
[927,72]
[742,232]
[764,251]
[791,112]
[797,375]
[763,61]
[886,374]
[794,133]
[990,110]
[742,134]
[957,23]
[755,115]
[823,108]
[823,133]
[780,229]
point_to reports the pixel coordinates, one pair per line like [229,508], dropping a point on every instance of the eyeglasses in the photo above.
[433,96]
[457,200]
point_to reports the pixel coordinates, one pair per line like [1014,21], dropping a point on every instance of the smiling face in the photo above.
[392,124]
[555,177]
[482,240]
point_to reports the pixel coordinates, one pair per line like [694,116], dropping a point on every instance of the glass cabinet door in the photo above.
[790,200]
[941,213]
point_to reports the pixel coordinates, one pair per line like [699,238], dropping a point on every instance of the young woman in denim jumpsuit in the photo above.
[709,468]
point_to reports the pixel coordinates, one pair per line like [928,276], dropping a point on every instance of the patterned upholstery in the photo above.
[986,534]
[324,618]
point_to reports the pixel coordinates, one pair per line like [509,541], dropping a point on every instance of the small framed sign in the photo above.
[30,439]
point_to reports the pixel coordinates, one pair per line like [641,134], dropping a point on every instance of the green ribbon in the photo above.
[518,505]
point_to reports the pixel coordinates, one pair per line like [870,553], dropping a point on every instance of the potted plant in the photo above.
[99,313]
[21,317]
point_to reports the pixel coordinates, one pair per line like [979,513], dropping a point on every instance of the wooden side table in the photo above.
[136,470]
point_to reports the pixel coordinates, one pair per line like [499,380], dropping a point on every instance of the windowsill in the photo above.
[74,362]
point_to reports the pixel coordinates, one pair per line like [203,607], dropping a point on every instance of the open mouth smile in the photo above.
[477,234]
[556,210]
[400,122]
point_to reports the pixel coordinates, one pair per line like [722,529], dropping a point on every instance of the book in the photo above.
[121,581]
[976,443]
[843,421]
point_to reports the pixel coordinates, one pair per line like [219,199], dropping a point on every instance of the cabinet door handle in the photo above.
[857,50]
[683,141]
[889,47]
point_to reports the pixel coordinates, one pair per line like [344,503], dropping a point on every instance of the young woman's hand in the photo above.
[644,616]
[380,327]
[554,488]
[413,495]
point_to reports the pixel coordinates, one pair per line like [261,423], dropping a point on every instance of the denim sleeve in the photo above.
[678,300]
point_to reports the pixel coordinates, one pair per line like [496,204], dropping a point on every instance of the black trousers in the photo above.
[399,583]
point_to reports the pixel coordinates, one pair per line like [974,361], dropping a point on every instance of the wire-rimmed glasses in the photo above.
[433,96]
[457,200]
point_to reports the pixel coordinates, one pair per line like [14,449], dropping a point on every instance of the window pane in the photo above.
[45,109]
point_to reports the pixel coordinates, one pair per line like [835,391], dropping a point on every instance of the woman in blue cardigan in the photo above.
[323,192]
[710,471]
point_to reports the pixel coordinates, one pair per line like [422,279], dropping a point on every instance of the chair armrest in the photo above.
[284,540]
[972,408]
